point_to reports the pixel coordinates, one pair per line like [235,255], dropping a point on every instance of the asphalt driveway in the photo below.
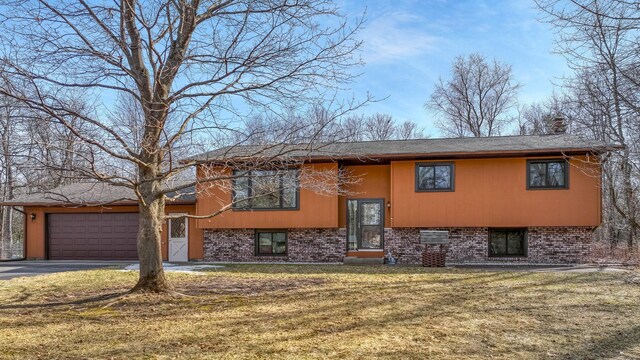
[13,269]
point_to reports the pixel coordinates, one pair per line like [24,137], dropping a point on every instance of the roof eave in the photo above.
[439,155]
[84,205]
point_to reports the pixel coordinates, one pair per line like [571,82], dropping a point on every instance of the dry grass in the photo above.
[278,311]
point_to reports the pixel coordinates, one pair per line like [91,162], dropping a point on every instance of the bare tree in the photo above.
[409,130]
[9,131]
[36,155]
[353,127]
[537,118]
[314,123]
[194,68]
[478,98]
[326,126]
[128,119]
[54,152]
[600,41]
[600,118]
[379,127]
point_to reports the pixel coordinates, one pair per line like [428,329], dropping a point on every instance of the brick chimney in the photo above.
[557,125]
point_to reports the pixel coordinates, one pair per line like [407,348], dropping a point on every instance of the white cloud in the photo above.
[396,36]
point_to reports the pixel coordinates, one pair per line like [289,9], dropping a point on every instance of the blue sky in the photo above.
[410,43]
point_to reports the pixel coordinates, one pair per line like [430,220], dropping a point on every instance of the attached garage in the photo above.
[97,221]
[84,236]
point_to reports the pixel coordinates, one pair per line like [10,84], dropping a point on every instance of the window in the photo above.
[271,243]
[265,189]
[547,174]
[434,177]
[507,242]
[178,228]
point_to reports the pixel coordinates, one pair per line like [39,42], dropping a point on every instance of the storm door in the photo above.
[365,224]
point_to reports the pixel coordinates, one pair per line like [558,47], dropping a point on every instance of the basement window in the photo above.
[434,177]
[507,242]
[271,242]
[547,174]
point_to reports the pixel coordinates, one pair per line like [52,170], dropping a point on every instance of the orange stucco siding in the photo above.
[35,229]
[493,193]
[370,181]
[317,209]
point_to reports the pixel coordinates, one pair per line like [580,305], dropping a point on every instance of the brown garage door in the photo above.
[92,236]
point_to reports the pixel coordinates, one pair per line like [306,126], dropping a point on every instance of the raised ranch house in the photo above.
[511,199]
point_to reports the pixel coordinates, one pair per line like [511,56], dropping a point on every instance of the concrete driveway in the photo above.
[13,269]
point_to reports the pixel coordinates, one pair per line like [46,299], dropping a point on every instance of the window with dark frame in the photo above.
[507,242]
[434,177]
[547,174]
[265,190]
[271,242]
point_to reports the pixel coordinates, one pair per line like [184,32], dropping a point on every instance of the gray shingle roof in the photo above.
[413,148]
[91,193]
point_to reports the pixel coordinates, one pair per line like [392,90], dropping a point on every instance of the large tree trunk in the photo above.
[7,233]
[611,233]
[629,199]
[627,182]
[152,278]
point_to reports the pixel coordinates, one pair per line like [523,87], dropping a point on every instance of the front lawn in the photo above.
[288,311]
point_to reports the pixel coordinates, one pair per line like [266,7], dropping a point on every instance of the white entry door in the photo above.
[178,238]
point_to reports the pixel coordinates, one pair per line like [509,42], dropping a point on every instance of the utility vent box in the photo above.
[434,237]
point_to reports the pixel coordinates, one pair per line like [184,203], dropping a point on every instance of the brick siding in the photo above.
[545,245]
[303,245]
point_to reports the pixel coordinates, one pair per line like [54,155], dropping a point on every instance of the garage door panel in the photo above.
[93,236]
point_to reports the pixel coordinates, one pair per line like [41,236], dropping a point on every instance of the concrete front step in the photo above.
[349,260]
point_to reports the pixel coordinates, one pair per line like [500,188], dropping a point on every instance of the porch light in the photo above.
[32,216]
[388,204]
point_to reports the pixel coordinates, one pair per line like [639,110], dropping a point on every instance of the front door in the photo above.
[365,224]
[178,238]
